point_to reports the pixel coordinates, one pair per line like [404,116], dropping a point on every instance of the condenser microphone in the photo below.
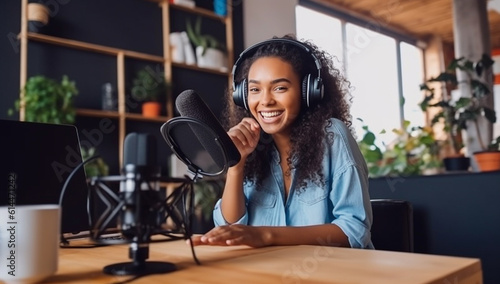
[140,189]
[190,104]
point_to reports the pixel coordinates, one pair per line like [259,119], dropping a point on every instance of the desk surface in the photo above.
[280,264]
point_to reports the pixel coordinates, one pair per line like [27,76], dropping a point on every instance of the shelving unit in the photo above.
[121,115]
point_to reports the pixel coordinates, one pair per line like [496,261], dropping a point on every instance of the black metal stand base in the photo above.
[145,268]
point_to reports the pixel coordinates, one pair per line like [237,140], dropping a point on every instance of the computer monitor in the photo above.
[36,161]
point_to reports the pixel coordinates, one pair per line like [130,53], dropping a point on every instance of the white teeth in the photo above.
[270,113]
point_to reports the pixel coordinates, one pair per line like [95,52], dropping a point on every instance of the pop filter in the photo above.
[198,139]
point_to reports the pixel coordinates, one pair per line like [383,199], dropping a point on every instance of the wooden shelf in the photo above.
[97,113]
[138,116]
[196,68]
[93,47]
[194,10]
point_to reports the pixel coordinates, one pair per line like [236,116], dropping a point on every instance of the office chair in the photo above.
[392,227]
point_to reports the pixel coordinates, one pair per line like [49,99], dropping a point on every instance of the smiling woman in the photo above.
[301,178]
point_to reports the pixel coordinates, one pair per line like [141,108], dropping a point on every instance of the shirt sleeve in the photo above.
[352,211]
[219,218]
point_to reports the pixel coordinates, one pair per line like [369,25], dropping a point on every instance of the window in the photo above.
[383,70]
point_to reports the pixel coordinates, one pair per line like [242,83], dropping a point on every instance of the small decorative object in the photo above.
[220,7]
[148,86]
[210,53]
[48,101]
[189,56]
[176,47]
[38,17]
[187,3]
[108,97]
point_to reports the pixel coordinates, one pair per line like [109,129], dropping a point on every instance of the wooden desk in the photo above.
[292,264]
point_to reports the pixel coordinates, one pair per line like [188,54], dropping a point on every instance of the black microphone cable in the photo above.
[63,241]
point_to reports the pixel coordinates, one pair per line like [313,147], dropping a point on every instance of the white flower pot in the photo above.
[213,58]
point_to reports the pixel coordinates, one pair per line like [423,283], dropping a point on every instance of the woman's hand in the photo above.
[233,235]
[245,136]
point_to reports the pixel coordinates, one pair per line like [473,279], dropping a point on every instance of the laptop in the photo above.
[37,159]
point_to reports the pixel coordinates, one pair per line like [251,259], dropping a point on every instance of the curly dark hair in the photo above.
[309,129]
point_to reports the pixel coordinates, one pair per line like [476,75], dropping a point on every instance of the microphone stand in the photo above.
[142,214]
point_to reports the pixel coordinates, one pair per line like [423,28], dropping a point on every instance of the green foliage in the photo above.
[494,144]
[203,40]
[96,167]
[149,85]
[412,153]
[206,194]
[48,101]
[455,115]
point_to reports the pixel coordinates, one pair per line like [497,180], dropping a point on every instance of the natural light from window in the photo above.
[371,67]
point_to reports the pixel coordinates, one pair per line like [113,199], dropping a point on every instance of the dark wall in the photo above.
[127,24]
[454,214]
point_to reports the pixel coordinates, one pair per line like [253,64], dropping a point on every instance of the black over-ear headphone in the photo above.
[312,87]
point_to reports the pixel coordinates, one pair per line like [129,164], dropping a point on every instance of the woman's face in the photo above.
[274,94]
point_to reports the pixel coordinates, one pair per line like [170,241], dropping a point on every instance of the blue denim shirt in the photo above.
[344,201]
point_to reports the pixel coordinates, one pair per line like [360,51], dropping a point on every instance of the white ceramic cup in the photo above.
[29,242]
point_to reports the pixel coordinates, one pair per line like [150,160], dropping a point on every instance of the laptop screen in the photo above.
[37,159]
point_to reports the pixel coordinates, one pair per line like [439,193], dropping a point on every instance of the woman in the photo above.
[301,178]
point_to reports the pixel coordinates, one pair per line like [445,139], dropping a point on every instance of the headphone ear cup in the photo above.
[306,88]
[240,94]
[312,91]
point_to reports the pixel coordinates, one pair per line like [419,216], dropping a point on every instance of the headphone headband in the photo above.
[245,54]
[312,87]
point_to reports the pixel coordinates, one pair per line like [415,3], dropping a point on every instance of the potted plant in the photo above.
[210,53]
[413,152]
[45,100]
[489,159]
[455,115]
[148,86]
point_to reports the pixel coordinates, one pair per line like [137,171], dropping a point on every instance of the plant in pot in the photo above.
[456,115]
[45,100]
[148,87]
[413,152]
[489,159]
[210,52]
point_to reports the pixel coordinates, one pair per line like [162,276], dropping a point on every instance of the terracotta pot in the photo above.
[488,160]
[151,109]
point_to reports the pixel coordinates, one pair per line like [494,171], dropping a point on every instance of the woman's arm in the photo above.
[245,136]
[255,236]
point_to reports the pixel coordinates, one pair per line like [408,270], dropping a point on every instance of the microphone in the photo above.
[140,190]
[190,104]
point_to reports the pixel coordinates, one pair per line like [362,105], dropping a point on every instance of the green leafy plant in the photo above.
[413,152]
[494,144]
[203,40]
[149,85]
[96,167]
[45,100]
[206,194]
[455,114]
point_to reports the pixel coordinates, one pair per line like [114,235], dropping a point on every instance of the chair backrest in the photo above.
[392,227]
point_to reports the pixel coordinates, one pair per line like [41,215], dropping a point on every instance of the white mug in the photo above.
[29,242]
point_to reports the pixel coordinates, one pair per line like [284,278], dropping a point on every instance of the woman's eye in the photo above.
[253,89]
[280,88]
